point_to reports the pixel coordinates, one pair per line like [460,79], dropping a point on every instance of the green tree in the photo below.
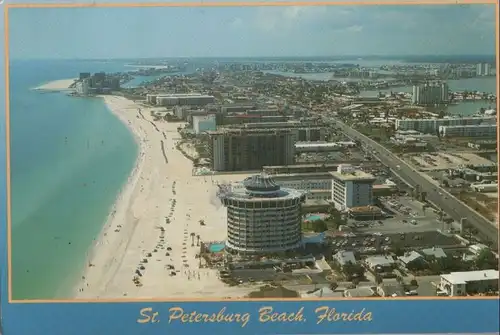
[398,251]
[320,226]
[351,271]
[486,260]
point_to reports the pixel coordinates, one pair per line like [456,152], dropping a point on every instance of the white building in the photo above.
[203,123]
[190,99]
[83,86]
[464,283]
[351,188]
[481,130]
[434,93]
[484,187]
[432,125]
[317,186]
[262,217]
[483,69]
[318,146]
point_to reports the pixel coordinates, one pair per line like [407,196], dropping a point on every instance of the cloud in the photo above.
[354,29]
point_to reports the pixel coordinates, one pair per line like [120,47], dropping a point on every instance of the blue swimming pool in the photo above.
[313,217]
[216,247]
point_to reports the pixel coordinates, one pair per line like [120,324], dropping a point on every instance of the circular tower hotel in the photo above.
[262,217]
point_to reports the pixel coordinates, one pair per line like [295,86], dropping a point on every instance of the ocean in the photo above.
[69,159]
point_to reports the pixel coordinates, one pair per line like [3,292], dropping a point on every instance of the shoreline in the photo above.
[129,183]
[137,237]
[57,85]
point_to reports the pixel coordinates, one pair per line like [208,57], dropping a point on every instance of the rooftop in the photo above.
[344,257]
[450,118]
[362,291]
[410,257]
[469,276]
[375,261]
[355,175]
[180,95]
[434,252]
[303,176]
[261,183]
[466,126]
[322,293]
[259,187]
[365,209]
[298,166]
[322,144]
[241,131]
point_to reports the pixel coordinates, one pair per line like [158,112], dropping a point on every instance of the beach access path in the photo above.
[161,186]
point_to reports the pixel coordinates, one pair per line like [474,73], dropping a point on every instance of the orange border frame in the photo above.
[207,4]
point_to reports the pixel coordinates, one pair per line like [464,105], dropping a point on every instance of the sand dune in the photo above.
[56,85]
[133,228]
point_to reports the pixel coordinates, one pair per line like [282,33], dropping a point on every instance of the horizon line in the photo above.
[300,57]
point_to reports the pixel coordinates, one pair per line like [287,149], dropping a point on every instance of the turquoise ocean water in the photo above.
[69,159]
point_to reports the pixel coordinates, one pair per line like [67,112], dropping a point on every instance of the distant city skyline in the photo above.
[162,32]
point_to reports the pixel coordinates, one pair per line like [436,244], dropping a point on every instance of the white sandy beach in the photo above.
[56,85]
[132,230]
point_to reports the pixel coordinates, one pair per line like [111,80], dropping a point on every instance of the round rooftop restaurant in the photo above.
[262,217]
[261,184]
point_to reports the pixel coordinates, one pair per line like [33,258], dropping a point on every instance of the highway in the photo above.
[435,194]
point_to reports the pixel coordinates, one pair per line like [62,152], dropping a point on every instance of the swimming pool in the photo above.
[314,217]
[216,247]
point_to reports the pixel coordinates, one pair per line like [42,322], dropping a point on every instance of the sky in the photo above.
[107,33]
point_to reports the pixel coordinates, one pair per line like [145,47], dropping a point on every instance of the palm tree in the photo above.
[424,207]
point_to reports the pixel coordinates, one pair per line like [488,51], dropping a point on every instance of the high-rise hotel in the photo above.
[432,93]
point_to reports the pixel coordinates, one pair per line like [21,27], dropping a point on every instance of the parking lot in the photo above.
[442,161]
[403,214]
[368,242]
[263,275]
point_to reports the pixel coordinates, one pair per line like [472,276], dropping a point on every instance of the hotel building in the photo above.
[250,149]
[483,69]
[481,130]
[351,188]
[262,217]
[434,93]
[192,99]
[432,125]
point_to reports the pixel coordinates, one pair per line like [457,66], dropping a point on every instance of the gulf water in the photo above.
[69,159]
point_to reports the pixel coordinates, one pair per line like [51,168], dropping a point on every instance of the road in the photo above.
[435,194]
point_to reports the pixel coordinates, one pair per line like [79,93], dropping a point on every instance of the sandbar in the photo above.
[56,85]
